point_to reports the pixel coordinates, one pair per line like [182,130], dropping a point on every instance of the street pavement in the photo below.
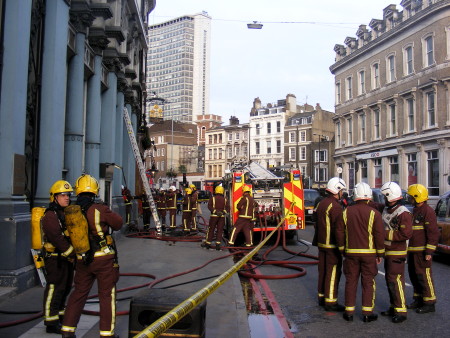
[226,314]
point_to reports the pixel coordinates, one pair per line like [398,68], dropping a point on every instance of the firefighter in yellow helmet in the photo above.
[219,207]
[244,223]
[194,206]
[59,256]
[186,218]
[421,246]
[102,265]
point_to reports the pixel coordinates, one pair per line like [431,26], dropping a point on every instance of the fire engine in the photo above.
[277,194]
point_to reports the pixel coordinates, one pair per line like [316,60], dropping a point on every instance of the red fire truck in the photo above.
[277,193]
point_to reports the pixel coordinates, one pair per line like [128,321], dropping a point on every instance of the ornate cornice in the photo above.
[130,73]
[115,32]
[98,39]
[80,15]
[111,60]
[124,59]
[122,85]
[102,10]
[130,97]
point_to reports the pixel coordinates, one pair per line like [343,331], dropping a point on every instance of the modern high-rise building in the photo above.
[178,66]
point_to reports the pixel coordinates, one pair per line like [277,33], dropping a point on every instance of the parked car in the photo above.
[310,196]
[443,219]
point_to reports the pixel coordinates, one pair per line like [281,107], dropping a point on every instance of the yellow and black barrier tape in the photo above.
[170,318]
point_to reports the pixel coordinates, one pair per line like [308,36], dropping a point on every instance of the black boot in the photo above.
[334,307]
[415,304]
[54,328]
[370,318]
[397,319]
[427,308]
[389,312]
[347,317]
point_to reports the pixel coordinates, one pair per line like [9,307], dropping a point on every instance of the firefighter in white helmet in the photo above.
[171,206]
[397,221]
[327,213]
[360,237]
[59,256]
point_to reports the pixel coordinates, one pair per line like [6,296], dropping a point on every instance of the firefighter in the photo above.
[421,247]
[244,223]
[327,213]
[146,212]
[58,257]
[194,205]
[101,264]
[127,199]
[219,207]
[161,204]
[360,237]
[187,210]
[171,206]
[397,221]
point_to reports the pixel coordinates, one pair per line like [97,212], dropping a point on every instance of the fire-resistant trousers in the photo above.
[421,277]
[394,267]
[59,283]
[366,267]
[186,219]
[245,225]
[216,225]
[106,272]
[162,216]
[330,271]
[194,219]
[173,217]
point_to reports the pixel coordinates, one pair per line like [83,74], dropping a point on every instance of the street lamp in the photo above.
[254,25]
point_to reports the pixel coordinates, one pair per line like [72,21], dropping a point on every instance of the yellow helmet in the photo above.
[418,192]
[188,191]
[192,186]
[86,183]
[219,190]
[59,187]
[246,188]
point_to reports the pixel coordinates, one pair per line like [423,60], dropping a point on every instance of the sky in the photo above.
[291,54]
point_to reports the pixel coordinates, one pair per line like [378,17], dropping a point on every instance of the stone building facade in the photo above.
[392,98]
[68,70]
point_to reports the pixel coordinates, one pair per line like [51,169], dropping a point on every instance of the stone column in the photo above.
[131,163]
[15,266]
[53,98]
[93,120]
[122,139]
[108,124]
[81,18]
[98,41]
[74,135]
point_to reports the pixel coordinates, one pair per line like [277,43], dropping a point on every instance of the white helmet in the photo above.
[172,187]
[362,191]
[391,191]
[335,185]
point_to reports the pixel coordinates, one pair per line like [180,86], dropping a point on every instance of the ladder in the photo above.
[137,157]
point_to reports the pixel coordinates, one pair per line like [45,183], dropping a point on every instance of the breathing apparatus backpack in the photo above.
[77,226]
